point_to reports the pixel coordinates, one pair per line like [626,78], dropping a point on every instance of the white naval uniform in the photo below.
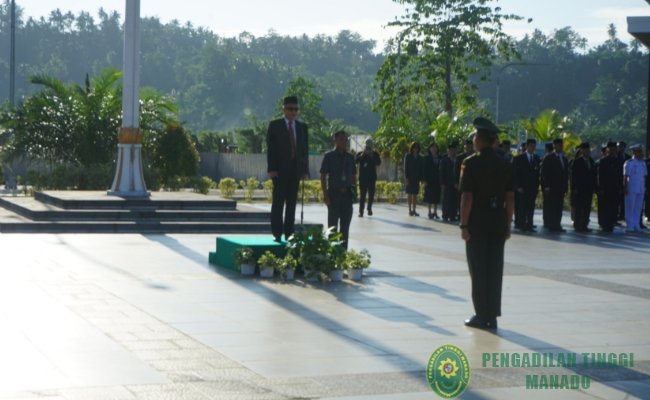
[634,172]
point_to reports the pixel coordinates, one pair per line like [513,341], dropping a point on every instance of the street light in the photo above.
[508,65]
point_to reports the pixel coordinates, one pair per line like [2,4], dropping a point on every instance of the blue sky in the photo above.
[368,17]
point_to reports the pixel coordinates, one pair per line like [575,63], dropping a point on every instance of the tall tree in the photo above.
[456,39]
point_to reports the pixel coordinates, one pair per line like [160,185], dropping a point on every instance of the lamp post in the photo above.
[508,65]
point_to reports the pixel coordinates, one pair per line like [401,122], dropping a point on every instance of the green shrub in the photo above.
[268,189]
[202,184]
[174,153]
[227,187]
[392,191]
[249,185]
[380,190]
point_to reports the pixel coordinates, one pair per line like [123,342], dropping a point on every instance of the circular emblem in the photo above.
[448,371]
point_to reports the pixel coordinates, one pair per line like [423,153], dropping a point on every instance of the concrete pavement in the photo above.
[146,317]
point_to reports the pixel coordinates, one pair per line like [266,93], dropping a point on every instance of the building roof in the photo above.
[639,27]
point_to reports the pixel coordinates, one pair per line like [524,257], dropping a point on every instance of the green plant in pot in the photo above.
[337,267]
[315,250]
[245,259]
[287,267]
[268,262]
[355,262]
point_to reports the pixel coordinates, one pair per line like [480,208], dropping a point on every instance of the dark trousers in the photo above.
[519,217]
[485,261]
[647,204]
[582,205]
[525,209]
[285,195]
[369,188]
[609,203]
[339,213]
[553,206]
[449,202]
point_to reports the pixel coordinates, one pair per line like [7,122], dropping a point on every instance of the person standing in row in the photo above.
[487,203]
[432,180]
[610,187]
[526,175]
[368,161]
[413,175]
[287,162]
[583,186]
[555,182]
[635,172]
[468,150]
[338,175]
[449,184]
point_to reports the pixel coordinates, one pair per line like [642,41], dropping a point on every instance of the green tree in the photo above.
[175,154]
[456,39]
[550,125]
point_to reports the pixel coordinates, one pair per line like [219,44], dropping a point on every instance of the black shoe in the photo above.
[476,322]
[370,212]
[643,226]
[415,214]
[435,216]
[277,239]
[411,213]
[360,215]
[430,216]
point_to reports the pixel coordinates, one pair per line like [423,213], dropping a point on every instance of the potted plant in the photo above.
[315,265]
[337,265]
[355,262]
[315,250]
[268,262]
[246,260]
[287,267]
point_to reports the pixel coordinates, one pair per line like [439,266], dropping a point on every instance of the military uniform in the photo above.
[489,179]
[339,166]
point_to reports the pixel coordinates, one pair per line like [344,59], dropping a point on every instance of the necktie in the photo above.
[292,140]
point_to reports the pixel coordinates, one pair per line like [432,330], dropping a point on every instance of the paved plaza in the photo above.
[126,317]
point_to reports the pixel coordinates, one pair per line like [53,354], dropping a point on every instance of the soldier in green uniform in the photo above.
[487,205]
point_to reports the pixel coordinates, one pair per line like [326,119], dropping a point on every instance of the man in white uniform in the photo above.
[634,171]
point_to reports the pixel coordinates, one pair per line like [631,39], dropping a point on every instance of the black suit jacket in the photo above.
[278,153]
[526,173]
[555,173]
[583,176]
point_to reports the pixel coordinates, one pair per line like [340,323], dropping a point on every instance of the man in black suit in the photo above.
[610,187]
[526,175]
[555,183]
[287,161]
[583,186]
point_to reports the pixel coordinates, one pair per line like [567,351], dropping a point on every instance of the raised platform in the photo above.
[226,246]
[97,212]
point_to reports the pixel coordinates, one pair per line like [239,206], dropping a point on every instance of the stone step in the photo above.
[136,227]
[94,200]
[35,210]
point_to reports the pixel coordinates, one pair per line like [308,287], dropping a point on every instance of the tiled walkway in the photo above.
[146,317]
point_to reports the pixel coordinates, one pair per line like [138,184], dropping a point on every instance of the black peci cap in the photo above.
[291,100]
[531,141]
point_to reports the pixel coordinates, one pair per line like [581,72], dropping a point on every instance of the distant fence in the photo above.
[242,166]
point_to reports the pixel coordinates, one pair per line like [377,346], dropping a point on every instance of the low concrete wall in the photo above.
[242,166]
